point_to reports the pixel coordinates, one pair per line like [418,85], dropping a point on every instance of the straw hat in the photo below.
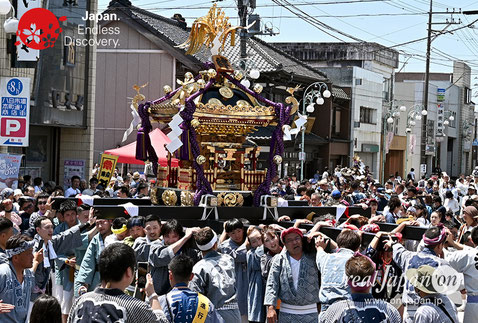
[422,278]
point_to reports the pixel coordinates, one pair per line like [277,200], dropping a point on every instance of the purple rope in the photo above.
[143,132]
[276,148]
[202,184]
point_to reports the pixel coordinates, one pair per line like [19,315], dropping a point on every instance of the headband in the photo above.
[18,250]
[120,230]
[350,227]
[210,244]
[436,241]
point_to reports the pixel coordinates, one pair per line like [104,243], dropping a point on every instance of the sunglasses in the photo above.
[41,203]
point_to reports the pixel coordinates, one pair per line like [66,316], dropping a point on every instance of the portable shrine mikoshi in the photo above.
[210,115]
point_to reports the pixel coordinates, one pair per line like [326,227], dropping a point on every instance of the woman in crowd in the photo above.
[395,210]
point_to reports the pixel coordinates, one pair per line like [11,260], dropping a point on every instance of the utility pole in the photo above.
[242,9]
[423,157]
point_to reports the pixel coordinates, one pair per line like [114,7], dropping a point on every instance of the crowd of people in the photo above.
[66,264]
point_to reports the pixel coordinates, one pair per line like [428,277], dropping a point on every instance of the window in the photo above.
[367,115]
[387,84]
[337,120]
[467,96]
[453,123]
[358,81]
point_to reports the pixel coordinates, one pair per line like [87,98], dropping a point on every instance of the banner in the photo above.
[9,169]
[26,53]
[72,167]
[413,143]
[388,141]
[107,168]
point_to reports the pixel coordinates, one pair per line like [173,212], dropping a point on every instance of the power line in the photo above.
[326,28]
[287,5]
[342,16]
[199,6]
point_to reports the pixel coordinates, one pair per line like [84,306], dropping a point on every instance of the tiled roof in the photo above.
[339,93]
[265,57]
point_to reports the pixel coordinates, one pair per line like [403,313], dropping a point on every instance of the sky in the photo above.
[387,22]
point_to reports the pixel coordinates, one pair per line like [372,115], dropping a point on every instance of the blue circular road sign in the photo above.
[14,86]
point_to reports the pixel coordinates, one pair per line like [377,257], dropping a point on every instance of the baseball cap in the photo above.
[336,194]
[289,231]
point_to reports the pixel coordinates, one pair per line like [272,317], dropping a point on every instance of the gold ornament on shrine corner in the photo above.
[211,73]
[187,198]
[258,88]
[138,97]
[167,89]
[188,76]
[200,159]
[201,83]
[291,90]
[226,92]
[195,123]
[169,197]
[238,75]
[292,100]
[205,30]
[277,159]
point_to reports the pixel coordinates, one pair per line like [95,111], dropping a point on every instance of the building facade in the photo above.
[368,70]
[62,96]
[450,120]
[366,108]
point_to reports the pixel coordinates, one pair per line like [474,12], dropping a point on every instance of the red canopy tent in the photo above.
[127,154]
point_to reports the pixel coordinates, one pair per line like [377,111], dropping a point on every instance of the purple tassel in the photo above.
[141,151]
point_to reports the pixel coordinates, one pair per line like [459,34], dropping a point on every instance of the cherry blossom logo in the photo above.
[38,29]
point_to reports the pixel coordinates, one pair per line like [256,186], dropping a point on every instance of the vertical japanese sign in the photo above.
[107,168]
[440,119]
[25,53]
[72,168]
[14,111]
[9,169]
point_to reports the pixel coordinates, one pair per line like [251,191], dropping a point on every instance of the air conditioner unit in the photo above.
[256,28]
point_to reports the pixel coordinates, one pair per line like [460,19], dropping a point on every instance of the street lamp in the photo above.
[246,68]
[448,117]
[389,118]
[313,94]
